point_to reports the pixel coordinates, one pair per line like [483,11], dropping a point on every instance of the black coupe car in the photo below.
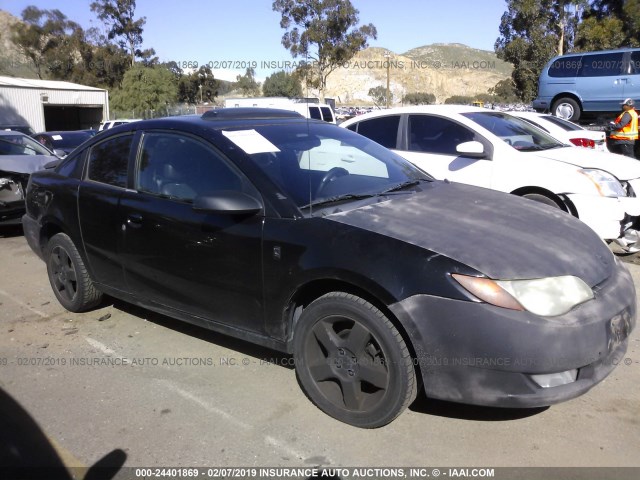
[311,239]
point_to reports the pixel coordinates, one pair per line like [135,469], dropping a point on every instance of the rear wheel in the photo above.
[566,108]
[68,276]
[352,362]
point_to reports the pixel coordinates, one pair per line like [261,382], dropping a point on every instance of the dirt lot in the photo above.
[159,392]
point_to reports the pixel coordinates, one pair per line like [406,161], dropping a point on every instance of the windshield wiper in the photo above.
[353,196]
[401,186]
[339,198]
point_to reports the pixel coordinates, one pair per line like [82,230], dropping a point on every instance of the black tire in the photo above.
[352,362]
[540,198]
[566,108]
[68,276]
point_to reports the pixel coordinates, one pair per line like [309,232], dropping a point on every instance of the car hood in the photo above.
[503,236]
[24,163]
[623,168]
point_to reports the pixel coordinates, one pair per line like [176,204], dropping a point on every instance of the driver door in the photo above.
[431,143]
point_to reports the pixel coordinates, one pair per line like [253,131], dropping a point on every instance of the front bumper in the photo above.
[603,214]
[475,353]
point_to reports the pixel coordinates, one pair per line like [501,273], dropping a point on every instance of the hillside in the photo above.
[441,69]
[11,61]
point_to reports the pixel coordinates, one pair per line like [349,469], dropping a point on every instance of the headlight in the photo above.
[546,297]
[606,184]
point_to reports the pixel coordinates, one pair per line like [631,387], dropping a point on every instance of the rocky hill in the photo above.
[441,69]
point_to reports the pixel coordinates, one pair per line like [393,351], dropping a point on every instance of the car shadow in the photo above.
[243,347]
[441,408]
[27,452]
[11,231]
[422,404]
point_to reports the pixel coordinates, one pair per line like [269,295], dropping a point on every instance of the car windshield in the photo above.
[318,163]
[518,133]
[21,145]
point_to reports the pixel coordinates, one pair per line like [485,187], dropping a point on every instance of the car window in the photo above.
[180,167]
[20,144]
[535,124]
[383,130]
[314,112]
[634,67]
[109,161]
[326,114]
[514,131]
[433,134]
[565,67]
[601,65]
[562,123]
[312,162]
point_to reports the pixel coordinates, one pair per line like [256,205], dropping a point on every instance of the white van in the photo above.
[317,111]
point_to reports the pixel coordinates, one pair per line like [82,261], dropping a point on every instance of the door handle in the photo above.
[134,220]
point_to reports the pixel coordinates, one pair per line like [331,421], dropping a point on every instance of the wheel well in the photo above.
[565,95]
[563,202]
[47,231]
[316,289]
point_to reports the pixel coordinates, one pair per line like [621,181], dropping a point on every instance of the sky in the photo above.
[230,35]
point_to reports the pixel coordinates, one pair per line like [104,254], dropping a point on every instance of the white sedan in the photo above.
[565,130]
[496,150]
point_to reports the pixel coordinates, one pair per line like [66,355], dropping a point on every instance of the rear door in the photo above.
[100,193]
[201,263]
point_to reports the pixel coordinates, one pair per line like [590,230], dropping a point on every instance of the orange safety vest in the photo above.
[630,130]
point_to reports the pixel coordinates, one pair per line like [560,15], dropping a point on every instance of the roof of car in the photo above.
[434,109]
[222,118]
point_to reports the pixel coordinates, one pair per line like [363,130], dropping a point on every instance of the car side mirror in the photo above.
[228,202]
[472,149]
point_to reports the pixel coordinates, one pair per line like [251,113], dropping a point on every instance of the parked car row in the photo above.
[311,239]
[503,152]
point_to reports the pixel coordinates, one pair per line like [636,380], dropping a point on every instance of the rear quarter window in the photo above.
[382,130]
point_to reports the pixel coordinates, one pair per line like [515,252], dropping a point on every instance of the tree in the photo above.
[46,37]
[118,15]
[504,91]
[324,33]
[198,86]
[281,84]
[419,98]
[145,90]
[610,24]
[101,63]
[459,100]
[379,95]
[528,39]
[247,83]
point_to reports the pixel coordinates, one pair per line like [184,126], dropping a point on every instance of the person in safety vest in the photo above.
[624,130]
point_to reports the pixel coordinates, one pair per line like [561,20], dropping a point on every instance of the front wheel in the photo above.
[566,108]
[68,276]
[352,362]
[538,197]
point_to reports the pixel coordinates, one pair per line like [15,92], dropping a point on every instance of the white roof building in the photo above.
[48,105]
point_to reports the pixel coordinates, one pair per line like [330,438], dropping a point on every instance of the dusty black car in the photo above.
[308,238]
